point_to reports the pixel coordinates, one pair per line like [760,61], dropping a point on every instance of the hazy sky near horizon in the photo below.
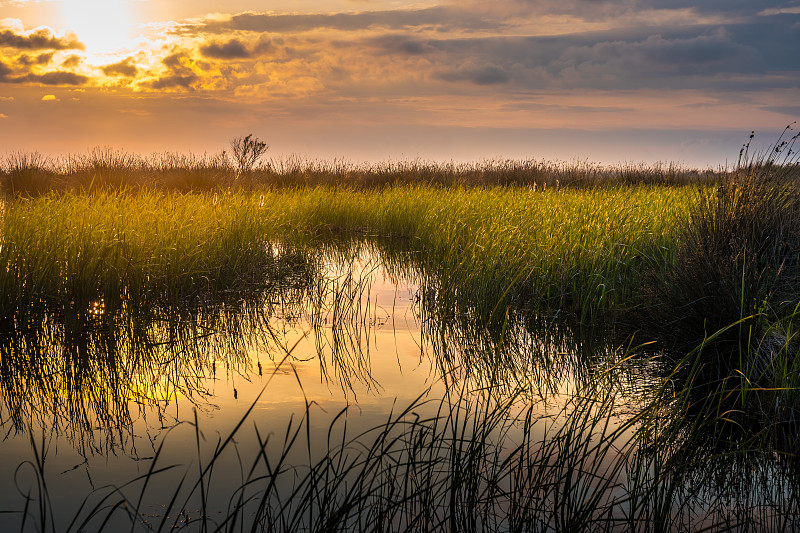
[606,81]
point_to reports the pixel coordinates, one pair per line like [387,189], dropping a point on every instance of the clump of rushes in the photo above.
[110,169]
[738,264]
[69,253]
[558,252]
[28,173]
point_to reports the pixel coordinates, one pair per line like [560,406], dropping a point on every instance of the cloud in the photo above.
[513,46]
[233,49]
[41,59]
[126,68]
[177,61]
[56,78]
[174,81]
[72,61]
[400,44]
[41,39]
[621,12]
[182,72]
[791,110]
[439,17]
[479,75]
[701,57]
[789,10]
[5,72]
[48,78]
[3,115]
[27,68]
[49,98]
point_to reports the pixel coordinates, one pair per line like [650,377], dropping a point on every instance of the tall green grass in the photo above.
[71,253]
[569,251]
[578,252]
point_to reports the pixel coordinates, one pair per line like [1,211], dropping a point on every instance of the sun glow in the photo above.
[104,26]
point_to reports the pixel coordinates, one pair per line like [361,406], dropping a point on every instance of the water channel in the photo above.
[353,381]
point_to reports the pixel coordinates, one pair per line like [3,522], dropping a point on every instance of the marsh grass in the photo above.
[738,263]
[506,254]
[67,253]
[110,169]
[573,252]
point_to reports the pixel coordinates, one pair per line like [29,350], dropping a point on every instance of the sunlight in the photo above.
[102,25]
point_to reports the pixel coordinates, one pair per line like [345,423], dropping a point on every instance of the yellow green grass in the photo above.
[568,250]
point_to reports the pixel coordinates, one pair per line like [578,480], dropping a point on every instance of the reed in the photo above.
[109,169]
[562,251]
[738,262]
[470,461]
[517,262]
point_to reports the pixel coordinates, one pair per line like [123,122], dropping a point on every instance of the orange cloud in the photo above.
[233,49]
[39,39]
[126,68]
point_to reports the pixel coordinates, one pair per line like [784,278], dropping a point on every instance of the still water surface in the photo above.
[344,357]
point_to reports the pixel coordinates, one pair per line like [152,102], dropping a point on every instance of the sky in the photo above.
[611,82]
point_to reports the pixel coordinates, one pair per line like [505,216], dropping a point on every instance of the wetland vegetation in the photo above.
[606,348]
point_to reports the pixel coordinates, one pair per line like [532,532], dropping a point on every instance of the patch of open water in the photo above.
[348,360]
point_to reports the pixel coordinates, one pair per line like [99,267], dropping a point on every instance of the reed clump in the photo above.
[110,169]
[63,254]
[737,271]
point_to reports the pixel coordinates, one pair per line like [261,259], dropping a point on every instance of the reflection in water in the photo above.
[399,409]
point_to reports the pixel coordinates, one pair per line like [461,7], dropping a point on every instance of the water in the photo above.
[350,365]
[358,348]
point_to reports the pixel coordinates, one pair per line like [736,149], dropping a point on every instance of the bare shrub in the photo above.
[247,151]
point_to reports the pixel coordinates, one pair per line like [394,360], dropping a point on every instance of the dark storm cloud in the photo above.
[439,17]
[741,50]
[126,68]
[737,8]
[38,40]
[180,73]
[593,10]
[72,61]
[664,57]
[233,49]
[400,44]
[175,61]
[5,72]
[21,72]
